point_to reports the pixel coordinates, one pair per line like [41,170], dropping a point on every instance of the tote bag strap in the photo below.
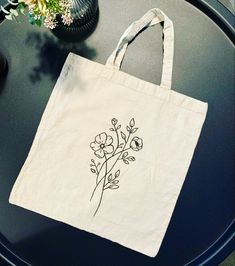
[151,18]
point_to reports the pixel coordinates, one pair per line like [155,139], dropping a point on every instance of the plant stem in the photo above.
[102,192]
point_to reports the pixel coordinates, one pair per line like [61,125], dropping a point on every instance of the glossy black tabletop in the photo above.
[203,69]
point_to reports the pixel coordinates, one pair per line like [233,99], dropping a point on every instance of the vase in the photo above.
[85,15]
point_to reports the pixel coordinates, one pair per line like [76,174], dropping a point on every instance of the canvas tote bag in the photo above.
[112,151]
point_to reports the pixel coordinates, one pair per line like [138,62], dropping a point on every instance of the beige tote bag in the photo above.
[112,151]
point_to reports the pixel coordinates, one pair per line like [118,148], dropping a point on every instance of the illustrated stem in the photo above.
[102,192]
[120,153]
[97,184]
[113,156]
[117,140]
[97,173]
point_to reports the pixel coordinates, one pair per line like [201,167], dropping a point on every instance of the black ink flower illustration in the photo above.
[136,144]
[104,148]
[102,145]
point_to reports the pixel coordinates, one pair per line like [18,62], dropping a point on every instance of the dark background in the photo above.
[203,69]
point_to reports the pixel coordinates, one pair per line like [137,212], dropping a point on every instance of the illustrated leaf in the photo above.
[93,170]
[134,130]
[131,158]
[119,127]
[128,129]
[123,135]
[114,186]
[115,182]
[125,161]
[91,165]
[111,129]
[132,122]
[92,160]
[110,177]
[117,173]
[125,154]
[121,145]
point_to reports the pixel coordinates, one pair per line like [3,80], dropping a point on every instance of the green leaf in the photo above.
[38,22]
[31,19]
[21,7]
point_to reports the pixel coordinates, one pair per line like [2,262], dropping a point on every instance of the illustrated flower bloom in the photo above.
[102,145]
[136,144]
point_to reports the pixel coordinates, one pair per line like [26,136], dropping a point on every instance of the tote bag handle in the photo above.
[151,18]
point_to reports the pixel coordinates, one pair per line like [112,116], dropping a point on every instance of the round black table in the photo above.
[201,229]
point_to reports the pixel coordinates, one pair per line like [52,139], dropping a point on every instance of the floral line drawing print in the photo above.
[109,153]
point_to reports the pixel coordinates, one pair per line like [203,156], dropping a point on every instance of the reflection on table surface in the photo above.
[229,4]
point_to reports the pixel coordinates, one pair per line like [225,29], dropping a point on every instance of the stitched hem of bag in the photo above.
[138,85]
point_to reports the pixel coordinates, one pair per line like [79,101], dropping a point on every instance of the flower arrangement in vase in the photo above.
[70,20]
[41,12]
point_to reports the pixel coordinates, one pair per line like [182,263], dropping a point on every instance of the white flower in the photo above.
[67,18]
[50,21]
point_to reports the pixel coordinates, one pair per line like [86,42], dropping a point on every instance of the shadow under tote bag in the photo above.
[112,151]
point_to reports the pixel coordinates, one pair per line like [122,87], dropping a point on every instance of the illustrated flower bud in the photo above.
[114,121]
[136,144]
